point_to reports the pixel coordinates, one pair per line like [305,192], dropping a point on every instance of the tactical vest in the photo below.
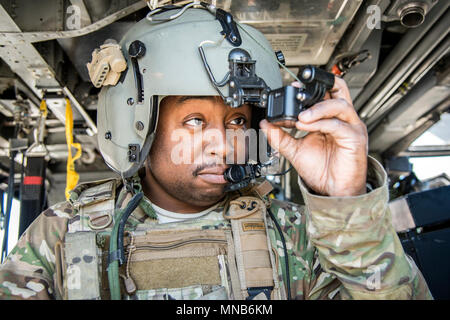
[225,254]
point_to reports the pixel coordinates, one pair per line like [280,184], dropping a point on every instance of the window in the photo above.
[430,153]
[13,233]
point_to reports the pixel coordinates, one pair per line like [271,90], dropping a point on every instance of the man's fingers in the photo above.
[335,127]
[334,108]
[285,123]
[279,139]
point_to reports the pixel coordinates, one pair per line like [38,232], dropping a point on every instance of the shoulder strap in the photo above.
[94,203]
[254,258]
[81,257]
[94,206]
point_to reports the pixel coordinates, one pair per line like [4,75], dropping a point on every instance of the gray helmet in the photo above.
[166,55]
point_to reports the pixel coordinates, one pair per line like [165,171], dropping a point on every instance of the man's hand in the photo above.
[332,158]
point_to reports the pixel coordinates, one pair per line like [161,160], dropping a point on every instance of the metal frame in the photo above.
[437,33]
[427,151]
[30,66]
[396,56]
[18,37]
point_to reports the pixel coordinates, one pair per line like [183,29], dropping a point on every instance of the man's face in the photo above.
[191,150]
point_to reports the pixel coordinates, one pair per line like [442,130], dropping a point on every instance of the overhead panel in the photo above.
[306,31]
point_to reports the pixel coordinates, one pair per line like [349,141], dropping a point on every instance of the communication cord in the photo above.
[116,239]
[286,260]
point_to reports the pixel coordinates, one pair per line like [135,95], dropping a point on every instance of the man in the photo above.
[189,239]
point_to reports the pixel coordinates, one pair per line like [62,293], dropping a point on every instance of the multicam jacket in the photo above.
[338,247]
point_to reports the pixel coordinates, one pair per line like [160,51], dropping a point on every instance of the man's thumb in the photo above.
[280,140]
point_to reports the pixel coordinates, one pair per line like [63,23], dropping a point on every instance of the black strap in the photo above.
[253,292]
[32,195]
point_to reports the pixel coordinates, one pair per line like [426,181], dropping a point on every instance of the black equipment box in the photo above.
[429,243]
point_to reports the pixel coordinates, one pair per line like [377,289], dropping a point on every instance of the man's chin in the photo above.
[210,194]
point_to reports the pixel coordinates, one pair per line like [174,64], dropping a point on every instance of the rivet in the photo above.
[139,126]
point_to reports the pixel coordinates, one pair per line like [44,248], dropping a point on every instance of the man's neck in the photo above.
[159,196]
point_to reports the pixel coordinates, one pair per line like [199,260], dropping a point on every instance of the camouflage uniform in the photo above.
[338,248]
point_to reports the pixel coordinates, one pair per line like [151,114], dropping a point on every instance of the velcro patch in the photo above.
[252,226]
[175,273]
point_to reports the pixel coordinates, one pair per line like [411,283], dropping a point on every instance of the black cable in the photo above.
[286,260]
[281,173]
[215,84]
[131,206]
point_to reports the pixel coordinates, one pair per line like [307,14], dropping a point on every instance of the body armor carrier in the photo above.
[225,254]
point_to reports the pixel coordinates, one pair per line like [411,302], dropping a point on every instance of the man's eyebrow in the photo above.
[187,98]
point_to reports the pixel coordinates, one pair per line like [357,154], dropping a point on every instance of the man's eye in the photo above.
[195,122]
[238,121]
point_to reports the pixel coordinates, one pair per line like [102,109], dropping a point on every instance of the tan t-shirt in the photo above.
[165,216]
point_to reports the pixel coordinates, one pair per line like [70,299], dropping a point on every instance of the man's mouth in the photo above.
[212,175]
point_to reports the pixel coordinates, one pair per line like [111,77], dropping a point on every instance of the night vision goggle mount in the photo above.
[244,85]
[282,105]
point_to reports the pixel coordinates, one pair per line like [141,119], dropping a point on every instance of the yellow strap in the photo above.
[43,108]
[72,175]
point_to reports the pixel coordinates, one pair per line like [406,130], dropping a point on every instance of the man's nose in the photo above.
[216,144]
